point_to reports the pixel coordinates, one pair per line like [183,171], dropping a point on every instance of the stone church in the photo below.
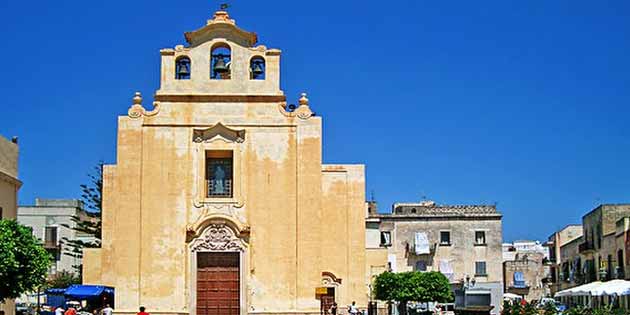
[219,202]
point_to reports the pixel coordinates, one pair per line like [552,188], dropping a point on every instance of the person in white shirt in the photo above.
[352,309]
[59,310]
[107,310]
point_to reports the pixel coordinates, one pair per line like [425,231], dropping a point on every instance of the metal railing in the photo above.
[586,246]
[219,188]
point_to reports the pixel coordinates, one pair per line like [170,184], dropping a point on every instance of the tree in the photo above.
[89,222]
[412,286]
[63,280]
[23,261]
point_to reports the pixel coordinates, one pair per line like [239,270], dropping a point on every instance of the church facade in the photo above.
[219,202]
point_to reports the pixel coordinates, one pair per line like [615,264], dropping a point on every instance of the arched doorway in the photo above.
[218,258]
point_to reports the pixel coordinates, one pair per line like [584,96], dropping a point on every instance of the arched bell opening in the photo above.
[220,61]
[182,68]
[257,68]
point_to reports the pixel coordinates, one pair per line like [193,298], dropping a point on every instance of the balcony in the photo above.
[51,245]
[586,247]
[219,188]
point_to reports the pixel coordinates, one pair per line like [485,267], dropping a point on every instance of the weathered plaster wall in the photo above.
[8,157]
[9,186]
[343,238]
[285,204]
[156,191]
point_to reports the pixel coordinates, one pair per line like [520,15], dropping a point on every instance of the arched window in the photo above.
[257,68]
[413,210]
[220,61]
[182,68]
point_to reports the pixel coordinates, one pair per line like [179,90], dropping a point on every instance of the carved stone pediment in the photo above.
[218,131]
[217,237]
[221,26]
[329,279]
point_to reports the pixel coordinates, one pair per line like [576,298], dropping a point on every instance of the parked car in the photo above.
[21,309]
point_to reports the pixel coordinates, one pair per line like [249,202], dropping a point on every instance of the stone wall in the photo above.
[533,270]
[463,250]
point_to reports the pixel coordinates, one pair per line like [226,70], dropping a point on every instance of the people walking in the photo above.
[333,308]
[108,310]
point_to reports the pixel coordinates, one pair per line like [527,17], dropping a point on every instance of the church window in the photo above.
[219,167]
[220,62]
[257,68]
[182,68]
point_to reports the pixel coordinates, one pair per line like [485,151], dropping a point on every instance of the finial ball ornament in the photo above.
[303,100]
[137,98]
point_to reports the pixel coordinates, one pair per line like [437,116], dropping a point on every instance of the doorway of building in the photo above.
[218,284]
[327,301]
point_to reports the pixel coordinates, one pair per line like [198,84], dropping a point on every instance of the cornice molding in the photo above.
[189,98]
[10,179]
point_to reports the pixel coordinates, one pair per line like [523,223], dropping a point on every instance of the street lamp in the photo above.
[470,282]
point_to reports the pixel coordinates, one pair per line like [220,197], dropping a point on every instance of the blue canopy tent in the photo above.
[54,297]
[96,295]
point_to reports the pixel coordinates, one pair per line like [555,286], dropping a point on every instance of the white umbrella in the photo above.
[566,292]
[613,287]
[587,289]
[512,296]
[582,290]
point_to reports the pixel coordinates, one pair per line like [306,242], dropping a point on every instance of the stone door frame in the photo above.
[215,238]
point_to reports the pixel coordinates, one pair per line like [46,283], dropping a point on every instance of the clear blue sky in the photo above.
[522,103]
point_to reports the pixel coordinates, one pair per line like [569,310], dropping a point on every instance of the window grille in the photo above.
[219,177]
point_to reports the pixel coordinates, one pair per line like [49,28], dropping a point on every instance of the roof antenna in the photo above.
[372,195]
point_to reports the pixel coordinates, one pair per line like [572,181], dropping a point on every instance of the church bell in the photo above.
[219,64]
[257,69]
[183,69]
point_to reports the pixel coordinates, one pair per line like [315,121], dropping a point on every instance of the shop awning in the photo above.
[55,291]
[82,292]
